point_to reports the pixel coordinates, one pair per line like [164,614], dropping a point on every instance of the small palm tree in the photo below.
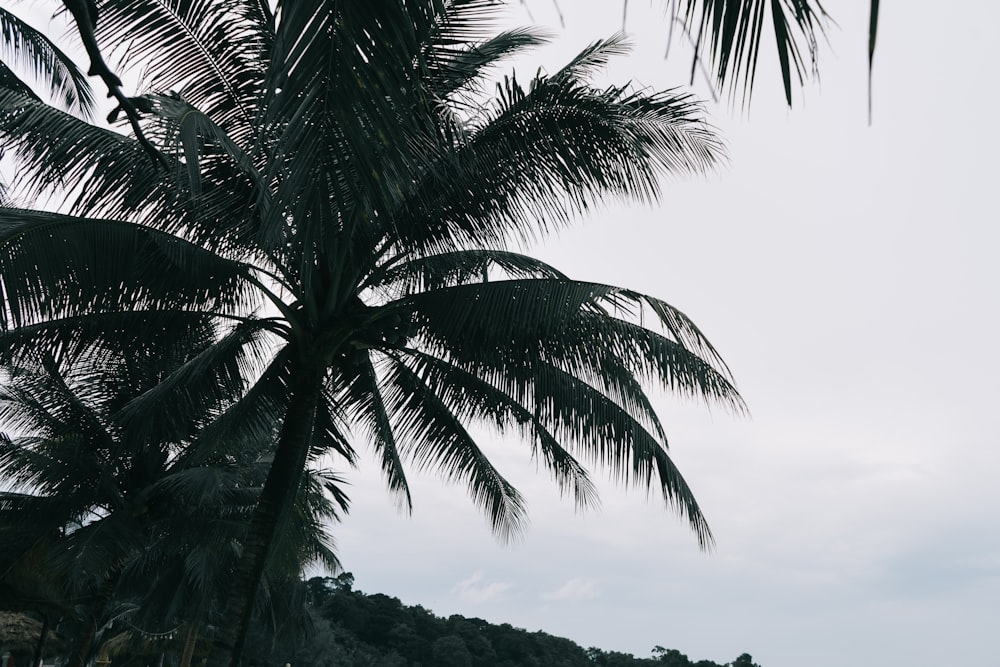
[342,195]
[135,517]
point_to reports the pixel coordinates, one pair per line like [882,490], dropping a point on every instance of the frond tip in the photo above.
[733,33]
[29,50]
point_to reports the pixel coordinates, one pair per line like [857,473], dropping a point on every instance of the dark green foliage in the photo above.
[352,629]
[343,164]
[451,651]
[25,49]
[103,508]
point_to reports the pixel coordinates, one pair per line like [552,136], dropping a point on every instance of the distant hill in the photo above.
[345,627]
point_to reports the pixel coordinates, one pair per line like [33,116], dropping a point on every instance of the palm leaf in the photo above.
[608,435]
[57,151]
[455,66]
[212,51]
[436,439]
[56,266]
[362,399]
[544,155]
[32,51]
[732,31]
[461,44]
[476,399]
[412,275]
[251,418]
[195,389]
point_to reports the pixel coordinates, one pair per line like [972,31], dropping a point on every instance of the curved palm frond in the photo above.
[434,437]
[405,275]
[456,62]
[56,266]
[463,43]
[23,46]
[60,152]
[476,399]
[513,318]
[214,53]
[362,400]
[10,81]
[250,418]
[329,432]
[211,377]
[547,154]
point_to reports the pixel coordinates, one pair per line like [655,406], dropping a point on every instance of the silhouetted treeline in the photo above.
[344,627]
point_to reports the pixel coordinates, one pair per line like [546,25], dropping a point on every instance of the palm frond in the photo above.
[251,418]
[544,155]
[32,51]
[410,275]
[199,486]
[329,433]
[458,67]
[185,398]
[362,399]
[473,397]
[732,31]
[462,43]
[189,133]
[10,81]
[607,434]
[592,59]
[105,172]
[437,440]
[56,266]
[305,539]
[97,336]
[216,53]
[352,109]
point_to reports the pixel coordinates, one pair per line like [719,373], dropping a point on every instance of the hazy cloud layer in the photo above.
[574,589]
[474,589]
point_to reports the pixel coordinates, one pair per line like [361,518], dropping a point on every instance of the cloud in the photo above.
[474,589]
[574,589]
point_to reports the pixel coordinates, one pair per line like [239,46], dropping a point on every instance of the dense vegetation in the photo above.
[347,627]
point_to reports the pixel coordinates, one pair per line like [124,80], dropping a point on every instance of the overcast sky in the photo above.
[847,273]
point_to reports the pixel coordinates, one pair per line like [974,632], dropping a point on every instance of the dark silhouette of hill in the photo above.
[328,622]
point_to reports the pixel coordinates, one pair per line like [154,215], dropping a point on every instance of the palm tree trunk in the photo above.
[189,644]
[42,636]
[85,640]
[276,499]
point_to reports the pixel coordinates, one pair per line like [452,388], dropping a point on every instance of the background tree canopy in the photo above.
[352,628]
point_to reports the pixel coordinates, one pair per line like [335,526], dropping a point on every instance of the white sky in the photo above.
[846,273]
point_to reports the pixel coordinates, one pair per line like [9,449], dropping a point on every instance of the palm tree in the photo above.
[140,517]
[337,181]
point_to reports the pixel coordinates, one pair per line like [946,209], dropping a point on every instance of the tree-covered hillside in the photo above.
[346,627]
